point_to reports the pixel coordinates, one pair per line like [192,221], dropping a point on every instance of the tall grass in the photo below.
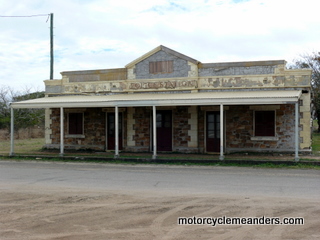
[316,143]
[31,145]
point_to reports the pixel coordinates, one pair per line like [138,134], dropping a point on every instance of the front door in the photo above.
[111,131]
[213,131]
[164,130]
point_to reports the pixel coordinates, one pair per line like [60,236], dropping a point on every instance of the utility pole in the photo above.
[51,45]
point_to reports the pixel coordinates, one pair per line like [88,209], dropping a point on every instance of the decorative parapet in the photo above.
[258,81]
[241,68]
[123,80]
[193,72]
[131,73]
[96,75]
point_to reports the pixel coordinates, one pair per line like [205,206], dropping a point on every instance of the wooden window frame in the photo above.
[79,130]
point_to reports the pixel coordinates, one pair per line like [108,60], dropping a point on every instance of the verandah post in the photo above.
[221,133]
[61,132]
[154,119]
[296,158]
[116,155]
[12,133]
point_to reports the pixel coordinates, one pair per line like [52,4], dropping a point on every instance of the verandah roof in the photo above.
[164,99]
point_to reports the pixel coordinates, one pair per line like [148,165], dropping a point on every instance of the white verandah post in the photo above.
[116,154]
[221,157]
[61,132]
[12,133]
[154,119]
[296,158]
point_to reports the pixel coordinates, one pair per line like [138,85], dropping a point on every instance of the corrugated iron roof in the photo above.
[164,99]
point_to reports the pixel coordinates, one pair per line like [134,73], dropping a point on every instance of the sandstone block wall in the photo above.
[188,128]
[94,135]
[142,130]
[180,128]
[239,130]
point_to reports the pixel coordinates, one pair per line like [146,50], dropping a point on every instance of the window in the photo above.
[161,67]
[75,123]
[164,119]
[265,123]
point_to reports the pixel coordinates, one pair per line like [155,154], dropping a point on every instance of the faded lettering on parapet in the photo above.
[164,84]
[238,82]
[125,86]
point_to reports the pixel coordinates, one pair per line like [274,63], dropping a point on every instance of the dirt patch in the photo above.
[59,213]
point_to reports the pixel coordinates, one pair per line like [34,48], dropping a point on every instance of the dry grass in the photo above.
[31,145]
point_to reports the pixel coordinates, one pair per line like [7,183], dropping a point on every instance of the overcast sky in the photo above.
[99,34]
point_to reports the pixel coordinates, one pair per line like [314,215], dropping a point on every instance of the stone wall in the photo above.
[285,126]
[131,132]
[239,130]
[55,128]
[305,121]
[180,129]
[239,127]
[180,66]
[193,130]
[141,127]
[94,131]
[142,135]
[223,71]
[188,129]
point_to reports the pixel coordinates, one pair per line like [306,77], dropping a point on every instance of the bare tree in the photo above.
[23,117]
[5,99]
[312,60]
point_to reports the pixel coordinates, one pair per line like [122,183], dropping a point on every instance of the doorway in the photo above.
[111,131]
[213,131]
[164,130]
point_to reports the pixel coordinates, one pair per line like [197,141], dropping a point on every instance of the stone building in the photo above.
[165,101]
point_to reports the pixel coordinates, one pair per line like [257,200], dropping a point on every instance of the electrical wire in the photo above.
[38,15]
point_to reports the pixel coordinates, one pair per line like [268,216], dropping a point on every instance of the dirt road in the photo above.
[43,210]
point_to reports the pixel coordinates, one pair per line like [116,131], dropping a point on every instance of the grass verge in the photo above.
[240,163]
[30,145]
[316,143]
[34,146]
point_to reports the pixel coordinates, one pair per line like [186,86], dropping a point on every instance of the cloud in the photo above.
[95,34]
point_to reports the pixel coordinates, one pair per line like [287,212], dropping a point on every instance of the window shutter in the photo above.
[160,67]
[151,67]
[170,66]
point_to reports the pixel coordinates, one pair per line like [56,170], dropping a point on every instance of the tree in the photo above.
[5,99]
[312,61]
[23,117]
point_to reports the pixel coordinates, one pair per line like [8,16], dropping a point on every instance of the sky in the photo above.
[102,34]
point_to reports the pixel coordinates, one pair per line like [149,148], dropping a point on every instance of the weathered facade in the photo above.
[165,101]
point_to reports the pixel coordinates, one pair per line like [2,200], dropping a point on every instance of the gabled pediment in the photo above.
[166,50]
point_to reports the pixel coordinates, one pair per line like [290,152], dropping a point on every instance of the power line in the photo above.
[51,35]
[38,15]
